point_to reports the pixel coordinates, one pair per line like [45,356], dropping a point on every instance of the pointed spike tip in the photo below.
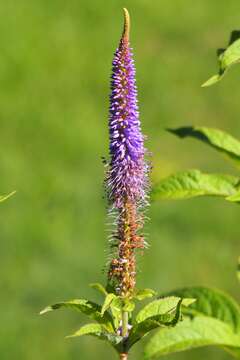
[126,28]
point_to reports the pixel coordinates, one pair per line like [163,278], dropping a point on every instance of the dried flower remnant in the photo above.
[127,176]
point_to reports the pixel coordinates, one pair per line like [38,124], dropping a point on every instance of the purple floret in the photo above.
[128,169]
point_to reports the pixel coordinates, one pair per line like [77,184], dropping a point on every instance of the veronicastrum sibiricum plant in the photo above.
[127,186]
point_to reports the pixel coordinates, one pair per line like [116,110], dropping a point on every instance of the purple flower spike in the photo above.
[126,178]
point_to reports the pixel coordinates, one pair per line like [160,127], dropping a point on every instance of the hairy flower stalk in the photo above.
[127,176]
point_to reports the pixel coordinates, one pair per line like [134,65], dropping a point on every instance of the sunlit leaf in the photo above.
[214,319]
[98,331]
[226,59]
[99,287]
[191,333]
[157,307]
[107,302]
[143,294]
[86,307]
[194,183]
[218,139]
[162,312]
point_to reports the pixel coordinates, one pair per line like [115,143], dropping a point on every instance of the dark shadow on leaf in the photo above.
[235,35]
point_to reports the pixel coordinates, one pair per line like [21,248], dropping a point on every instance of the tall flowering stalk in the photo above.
[127,193]
[127,176]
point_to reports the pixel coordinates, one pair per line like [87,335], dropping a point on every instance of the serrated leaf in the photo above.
[86,307]
[162,306]
[107,302]
[213,303]
[143,294]
[142,328]
[214,319]
[226,59]
[218,139]
[187,334]
[99,287]
[98,331]
[5,197]
[192,183]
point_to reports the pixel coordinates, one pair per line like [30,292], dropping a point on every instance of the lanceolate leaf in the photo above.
[194,183]
[226,58]
[98,331]
[218,139]
[214,319]
[86,307]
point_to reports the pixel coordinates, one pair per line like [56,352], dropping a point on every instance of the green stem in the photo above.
[124,323]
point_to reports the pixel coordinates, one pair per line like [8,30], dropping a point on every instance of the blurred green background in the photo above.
[55,61]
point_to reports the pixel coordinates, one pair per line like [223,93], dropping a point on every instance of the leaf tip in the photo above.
[46,310]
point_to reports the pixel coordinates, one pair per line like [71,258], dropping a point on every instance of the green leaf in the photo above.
[107,302]
[86,307]
[162,312]
[98,331]
[218,139]
[162,306]
[143,294]
[213,303]
[88,329]
[226,59]
[187,334]
[214,319]
[99,287]
[142,328]
[194,183]
[5,197]
[128,305]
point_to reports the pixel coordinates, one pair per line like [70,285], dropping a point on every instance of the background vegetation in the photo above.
[55,59]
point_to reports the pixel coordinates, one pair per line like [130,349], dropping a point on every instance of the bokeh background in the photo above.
[55,61]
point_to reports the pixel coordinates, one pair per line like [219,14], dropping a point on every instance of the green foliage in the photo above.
[98,331]
[194,183]
[144,294]
[226,58]
[100,288]
[214,319]
[218,139]
[89,308]
[162,306]
[158,313]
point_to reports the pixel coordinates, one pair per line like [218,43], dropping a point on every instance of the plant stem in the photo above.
[123,356]
[124,323]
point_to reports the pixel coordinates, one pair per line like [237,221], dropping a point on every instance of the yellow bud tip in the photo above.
[126,27]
